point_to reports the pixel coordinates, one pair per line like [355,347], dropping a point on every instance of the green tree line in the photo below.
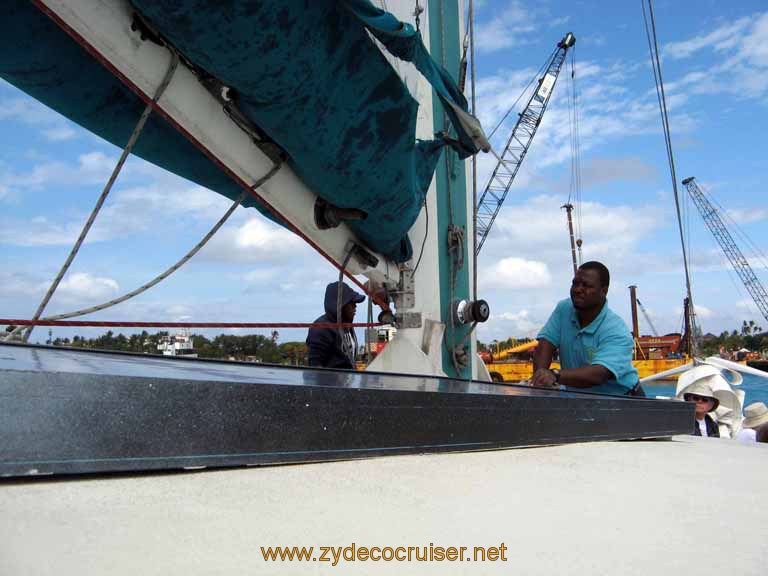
[224,346]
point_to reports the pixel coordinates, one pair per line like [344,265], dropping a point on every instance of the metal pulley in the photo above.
[469,311]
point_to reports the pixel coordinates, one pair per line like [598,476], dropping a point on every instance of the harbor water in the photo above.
[755,388]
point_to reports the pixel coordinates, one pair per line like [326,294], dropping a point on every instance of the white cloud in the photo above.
[744,216]
[60,133]
[517,322]
[702,312]
[18,284]
[91,168]
[38,231]
[82,286]
[723,38]
[538,226]
[508,27]
[628,169]
[53,126]
[516,274]
[255,240]
[561,21]
[741,52]
[607,111]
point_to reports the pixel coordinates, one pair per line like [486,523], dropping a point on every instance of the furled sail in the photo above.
[305,72]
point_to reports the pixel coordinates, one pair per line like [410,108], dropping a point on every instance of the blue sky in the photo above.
[715,64]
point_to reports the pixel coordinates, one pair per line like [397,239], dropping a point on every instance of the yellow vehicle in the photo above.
[504,370]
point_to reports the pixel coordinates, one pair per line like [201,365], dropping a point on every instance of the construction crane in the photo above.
[518,143]
[715,224]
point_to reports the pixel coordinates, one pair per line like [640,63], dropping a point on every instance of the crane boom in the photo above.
[647,318]
[517,146]
[720,232]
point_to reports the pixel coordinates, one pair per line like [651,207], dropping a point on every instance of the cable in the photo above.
[653,48]
[474,156]
[426,233]
[167,272]
[117,324]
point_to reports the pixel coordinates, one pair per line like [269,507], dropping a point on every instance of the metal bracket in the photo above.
[408,319]
[404,296]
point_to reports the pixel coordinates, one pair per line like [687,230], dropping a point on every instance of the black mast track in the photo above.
[69,411]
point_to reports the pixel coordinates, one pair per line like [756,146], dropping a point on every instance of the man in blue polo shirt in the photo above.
[594,343]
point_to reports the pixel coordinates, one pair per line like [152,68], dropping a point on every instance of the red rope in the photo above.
[18,322]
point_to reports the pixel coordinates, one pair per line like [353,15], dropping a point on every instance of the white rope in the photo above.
[170,270]
[84,232]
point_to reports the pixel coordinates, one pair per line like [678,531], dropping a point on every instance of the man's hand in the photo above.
[543,378]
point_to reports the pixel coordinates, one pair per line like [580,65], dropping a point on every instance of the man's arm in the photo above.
[586,376]
[319,346]
[542,359]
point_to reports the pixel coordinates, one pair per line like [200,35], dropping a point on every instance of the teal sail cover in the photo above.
[306,72]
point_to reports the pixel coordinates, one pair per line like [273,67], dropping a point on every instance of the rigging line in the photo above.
[474,156]
[577,122]
[114,324]
[423,242]
[656,64]
[572,144]
[107,188]
[173,268]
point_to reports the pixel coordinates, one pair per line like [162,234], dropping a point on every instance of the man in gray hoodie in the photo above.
[334,347]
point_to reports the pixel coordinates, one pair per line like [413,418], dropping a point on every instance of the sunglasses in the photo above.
[696,398]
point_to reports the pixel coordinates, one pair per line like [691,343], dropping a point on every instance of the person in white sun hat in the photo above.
[705,400]
[755,425]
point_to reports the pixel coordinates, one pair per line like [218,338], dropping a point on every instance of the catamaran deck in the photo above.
[687,506]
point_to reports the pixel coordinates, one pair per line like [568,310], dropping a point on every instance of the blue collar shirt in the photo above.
[605,341]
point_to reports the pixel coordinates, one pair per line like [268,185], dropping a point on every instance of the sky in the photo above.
[715,64]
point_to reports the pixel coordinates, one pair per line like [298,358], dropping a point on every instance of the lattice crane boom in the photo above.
[518,143]
[715,224]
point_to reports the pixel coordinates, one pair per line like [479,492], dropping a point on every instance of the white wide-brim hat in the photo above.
[700,388]
[712,377]
[755,414]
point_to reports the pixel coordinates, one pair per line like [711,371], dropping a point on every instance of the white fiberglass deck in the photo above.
[687,506]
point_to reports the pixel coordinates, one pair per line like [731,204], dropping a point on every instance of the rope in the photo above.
[474,156]
[84,232]
[653,47]
[151,283]
[118,324]
[424,241]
